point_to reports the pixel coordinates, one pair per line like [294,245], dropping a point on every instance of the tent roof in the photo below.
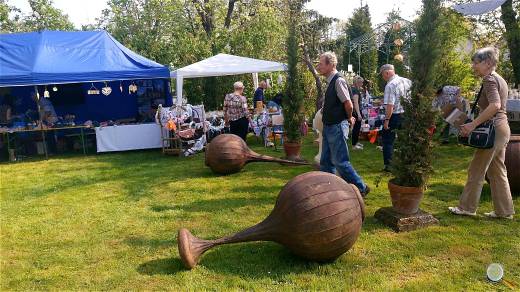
[478,8]
[224,64]
[54,57]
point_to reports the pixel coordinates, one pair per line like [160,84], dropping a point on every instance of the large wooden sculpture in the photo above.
[228,153]
[317,215]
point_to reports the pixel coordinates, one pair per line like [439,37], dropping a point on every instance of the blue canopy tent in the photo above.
[73,62]
[56,57]
[60,57]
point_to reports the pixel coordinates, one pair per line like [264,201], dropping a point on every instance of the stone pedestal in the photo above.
[400,222]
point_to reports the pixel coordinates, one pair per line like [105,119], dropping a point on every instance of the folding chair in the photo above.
[277,125]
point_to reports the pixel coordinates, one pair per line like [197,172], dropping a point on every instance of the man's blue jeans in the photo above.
[335,156]
[388,138]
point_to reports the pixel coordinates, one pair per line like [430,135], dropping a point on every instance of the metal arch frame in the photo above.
[363,43]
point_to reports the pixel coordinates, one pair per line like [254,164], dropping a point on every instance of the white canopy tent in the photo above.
[223,65]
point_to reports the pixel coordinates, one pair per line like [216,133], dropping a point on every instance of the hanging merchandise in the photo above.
[121,86]
[399,57]
[46,93]
[93,90]
[132,88]
[398,42]
[106,90]
[55,88]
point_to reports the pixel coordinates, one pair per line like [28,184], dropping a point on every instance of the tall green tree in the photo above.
[364,59]
[511,21]
[315,31]
[44,16]
[180,32]
[8,23]
[293,103]
[454,60]
[412,162]
[388,49]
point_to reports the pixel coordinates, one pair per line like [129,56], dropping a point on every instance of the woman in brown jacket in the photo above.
[492,104]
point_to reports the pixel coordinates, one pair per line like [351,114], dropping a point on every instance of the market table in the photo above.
[128,137]
[43,130]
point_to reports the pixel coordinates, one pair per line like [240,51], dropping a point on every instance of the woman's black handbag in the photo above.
[483,137]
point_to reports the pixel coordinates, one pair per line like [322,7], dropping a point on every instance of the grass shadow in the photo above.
[167,266]
[449,192]
[248,260]
[153,243]
[215,205]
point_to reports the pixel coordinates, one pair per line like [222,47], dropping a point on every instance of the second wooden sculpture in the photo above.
[317,215]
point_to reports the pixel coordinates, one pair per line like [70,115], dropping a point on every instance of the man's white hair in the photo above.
[386,67]
[330,58]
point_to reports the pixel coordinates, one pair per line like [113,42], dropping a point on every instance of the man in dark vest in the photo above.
[337,116]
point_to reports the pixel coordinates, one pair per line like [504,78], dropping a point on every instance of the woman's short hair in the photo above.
[485,54]
[330,58]
[238,85]
[358,78]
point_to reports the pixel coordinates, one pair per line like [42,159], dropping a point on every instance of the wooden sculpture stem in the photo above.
[255,157]
[191,247]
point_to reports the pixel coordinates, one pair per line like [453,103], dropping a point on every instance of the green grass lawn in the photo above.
[109,221]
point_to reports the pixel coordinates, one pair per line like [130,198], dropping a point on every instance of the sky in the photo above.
[85,12]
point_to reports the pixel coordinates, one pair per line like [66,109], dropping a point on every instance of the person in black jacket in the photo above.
[337,115]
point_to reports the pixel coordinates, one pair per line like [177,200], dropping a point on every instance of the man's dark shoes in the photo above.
[386,168]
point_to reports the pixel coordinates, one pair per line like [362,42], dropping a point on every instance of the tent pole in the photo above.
[41,121]
[255,81]
[178,89]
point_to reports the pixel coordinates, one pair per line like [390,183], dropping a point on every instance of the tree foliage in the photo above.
[500,28]
[388,49]
[364,61]
[43,16]
[455,63]
[412,161]
[181,32]
[293,103]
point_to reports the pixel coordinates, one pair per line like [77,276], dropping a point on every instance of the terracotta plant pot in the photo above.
[292,150]
[405,200]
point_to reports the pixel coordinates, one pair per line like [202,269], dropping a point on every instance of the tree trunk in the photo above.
[319,86]
[231,5]
[513,37]
[206,16]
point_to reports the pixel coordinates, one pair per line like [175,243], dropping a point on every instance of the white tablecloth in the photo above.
[128,137]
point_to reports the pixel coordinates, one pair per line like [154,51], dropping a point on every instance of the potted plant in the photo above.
[293,105]
[411,164]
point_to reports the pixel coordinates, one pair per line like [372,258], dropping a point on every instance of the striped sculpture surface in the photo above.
[317,215]
[228,153]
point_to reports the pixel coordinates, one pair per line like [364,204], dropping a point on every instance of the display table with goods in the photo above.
[374,113]
[183,129]
[12,143]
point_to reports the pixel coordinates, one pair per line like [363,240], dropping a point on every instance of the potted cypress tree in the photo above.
[412,161]
[293,105]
